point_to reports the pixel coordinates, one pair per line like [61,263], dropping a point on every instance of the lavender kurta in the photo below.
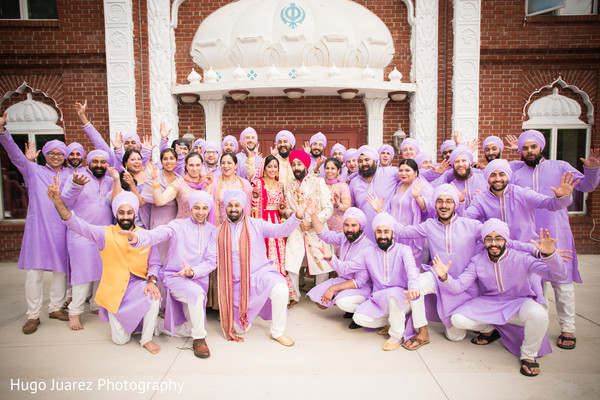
[180,167]
[241,168]
[44,243]
[504,286]
[546,174]
[516,207]
[263,275]
[187,240]
[475,182]
[357,272]
[89,202]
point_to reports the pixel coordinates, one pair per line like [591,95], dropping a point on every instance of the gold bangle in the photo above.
[155,185]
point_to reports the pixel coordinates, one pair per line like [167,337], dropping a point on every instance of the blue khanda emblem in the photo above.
[292,15]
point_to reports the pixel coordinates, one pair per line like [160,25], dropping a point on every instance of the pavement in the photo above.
[328,360]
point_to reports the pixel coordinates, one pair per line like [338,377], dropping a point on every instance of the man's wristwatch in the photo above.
[152,279]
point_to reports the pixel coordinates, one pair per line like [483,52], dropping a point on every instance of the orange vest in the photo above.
[119,260]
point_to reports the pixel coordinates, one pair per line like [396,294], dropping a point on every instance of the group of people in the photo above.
[217,226]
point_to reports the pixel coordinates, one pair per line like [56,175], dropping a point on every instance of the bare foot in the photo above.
[75,322]
[421,339]
[152,347]
[292,304]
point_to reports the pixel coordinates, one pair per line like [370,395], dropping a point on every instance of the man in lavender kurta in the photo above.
[247,280]
[188,241]
[508,292]
[352,286]
[372,180]
[394,274]
[86,194]
[127,292]
[75,156]
[44,246]
[247,165]
[211,152]
[492,148]
[539,174]
[466,179]
[317,144]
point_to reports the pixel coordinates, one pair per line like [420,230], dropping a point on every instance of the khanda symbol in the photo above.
[293,15]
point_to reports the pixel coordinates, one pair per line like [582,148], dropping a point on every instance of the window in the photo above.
[28,9]
[561,7]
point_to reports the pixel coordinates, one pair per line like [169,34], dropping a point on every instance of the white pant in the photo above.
[427,285]
[279,299]
[34,292]
[121,336]
[349,303]
[394,316]
[295,278]
[564,294]
[79,293]
[532,315]
[195,314]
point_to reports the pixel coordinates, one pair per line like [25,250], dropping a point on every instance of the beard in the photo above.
[532,163]
[502,250]
[74,162]
[504,185]
[385,244]
[352,236]
[462,177]
[369,171]
[316,153]
[234,216]
[125,223]
[299,174]
[284,151]
[445,218]
[98,172]
[251,148]
[492,157]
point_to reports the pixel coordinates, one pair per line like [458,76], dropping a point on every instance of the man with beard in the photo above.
[317,144]
[302,241]
[509,293]
[211,152]
[86,194]
[285,142]
[337,152]
[492,148]
[446,149]
[468,181]
[75,156]
[516,205]
[248,158]
[127,292]
[188,240]
[394,274]
[539,174]
[246,277]
[352,286]
[372,180]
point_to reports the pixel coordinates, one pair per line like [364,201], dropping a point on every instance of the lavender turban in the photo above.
[75,146]
[125,198]
[497,164]
[357,214]
[248,131]
[199,142]
[201,195]
[235,194]
[369,152]
[531,136]
[96,153]
[461,151]
[422,157]
[210,145]
[495,225]
[350,153]
[448,144]
[448,189]
[381,219]
[55,144]
[410,142]
[493,139]
[318,137]
[286,134]
[387,147]
[231,139]
[338,146]
[134,136]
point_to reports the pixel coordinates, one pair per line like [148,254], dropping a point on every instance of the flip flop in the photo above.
[489,338]
[421,343]
[529,365]
[567,347]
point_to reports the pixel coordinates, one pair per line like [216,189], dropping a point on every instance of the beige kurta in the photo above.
[296,247]
[285,170]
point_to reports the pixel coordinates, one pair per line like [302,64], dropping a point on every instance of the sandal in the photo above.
[489,338]
[529,365]
[564,346]
[420,342]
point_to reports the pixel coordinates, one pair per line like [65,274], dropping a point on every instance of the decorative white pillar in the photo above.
[424,103]
[375,105]
[213,115]
[120,66]
[465,81]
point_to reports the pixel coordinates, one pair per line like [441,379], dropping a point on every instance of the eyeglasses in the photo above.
[56,155]
[210,152]
[497,239]
[440,202]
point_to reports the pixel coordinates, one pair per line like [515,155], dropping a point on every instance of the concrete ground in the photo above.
[328,360]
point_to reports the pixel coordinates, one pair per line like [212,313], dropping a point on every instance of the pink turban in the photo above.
[531,136]
[369,152]
[387,147]
[448,189]
[201,195]
[461,151]
[96,153]
[381,219]
[55,144]
[75,146]
[286,134]
[448,144]
[134,136]
[422,157]
[235,194]
[210,145]
[350,153]
[495,225]
[493,139]
[410,142]
[125,198]
[338,146]
[248,131]
[357,214]
[231,139]
[318,137]
[497,164]
[300,155]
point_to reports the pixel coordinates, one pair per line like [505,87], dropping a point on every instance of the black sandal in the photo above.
[567,347]
[490,338]
[529,365]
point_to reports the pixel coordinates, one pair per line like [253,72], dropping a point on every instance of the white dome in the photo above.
[289,33]
[554,109]
[31,115]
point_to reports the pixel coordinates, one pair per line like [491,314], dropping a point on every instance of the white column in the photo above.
[465,81]
[423,104]
[120,66]
[213,115]
[375,105]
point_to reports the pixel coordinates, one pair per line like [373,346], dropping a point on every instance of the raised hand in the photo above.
[461,195]
[164,133]
[473,145]
[566,185]
[274,150]
[375,203]
[209,178]
[335,200]
[442,167]
[565,255]
[113,173]
[320,162]
[151,171]
[186,271]
[440,268]
[546,243]
[410,294]
[244,148]
[128,179]
[80,180]
[80,110]
[3,119]
[54,192]
[512,141]
[117,141]
[417,188]
[323,249]
[306,147]
[458,137]
[30,152]
[131,237]
[593,160]
[302,208]
[147,142]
